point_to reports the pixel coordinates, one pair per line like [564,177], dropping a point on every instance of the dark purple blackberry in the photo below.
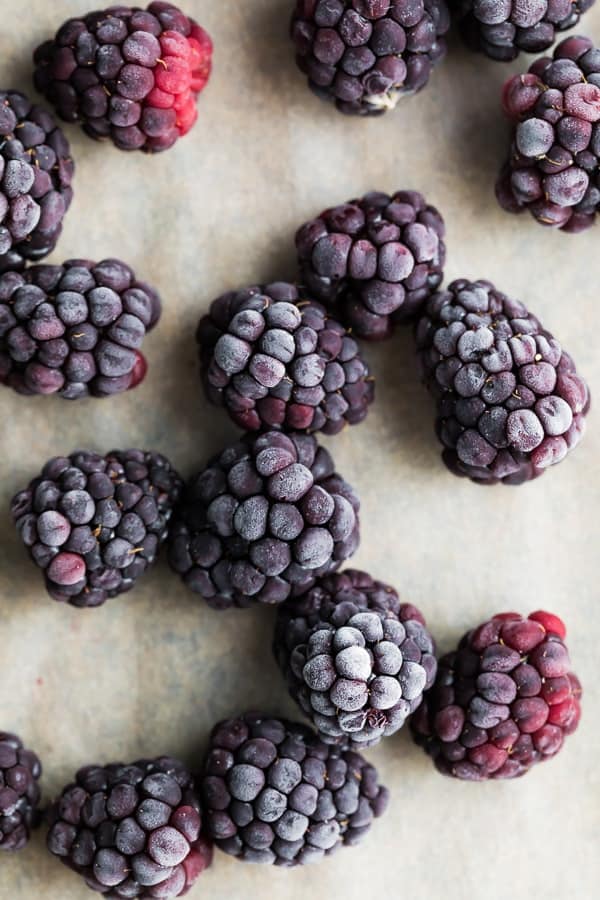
[94,524]
[20,770]
[131,830]
[503,701]
[373,261]
[275,361]
[36,171]
[364,55]
[127,74]
[503,28]
[75,329]
[356,660]
[509,400]
[553,170]
[262,521]
[274,793]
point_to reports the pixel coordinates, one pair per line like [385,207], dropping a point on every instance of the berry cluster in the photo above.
[20,770]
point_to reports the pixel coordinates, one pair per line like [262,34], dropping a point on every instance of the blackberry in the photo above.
[503,701]
[131,830]
[20,770]
[262,521]
[375,260]
[503,28]
[356,659]
[553,170]
[364,55]
[127,74]
[274,793]
[75,329]
[509,400]
[275,361]
[36,171]
[94,524]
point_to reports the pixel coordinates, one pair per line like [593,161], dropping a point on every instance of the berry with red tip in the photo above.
[127,74]
[20,770]
[503,701]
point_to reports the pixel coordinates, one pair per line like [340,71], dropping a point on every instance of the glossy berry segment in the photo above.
[262,521]
[132,831]
[504,28]
[503,701]
[274,793]
[75,330]
[36,171]
[278,362]
[509,401]
[375,260]
[94,524]
[553,169]
[364,55]
[20,770]
[355,658]
[126,74]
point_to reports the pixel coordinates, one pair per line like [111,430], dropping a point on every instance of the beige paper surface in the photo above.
[150,672]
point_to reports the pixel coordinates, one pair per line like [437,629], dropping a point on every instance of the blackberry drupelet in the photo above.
[503,28]
[355,658]
[275,361]
[274,793]
[364,55]
[375,260]
[127,74]
[20,770]
[509,400]
[553,169]
[131,830]
[262,521]
[94,524]
[76,329]
[36,171]
[503,701]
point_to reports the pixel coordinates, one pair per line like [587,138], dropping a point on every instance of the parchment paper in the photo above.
[150,672]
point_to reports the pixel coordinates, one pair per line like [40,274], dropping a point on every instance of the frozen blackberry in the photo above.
[355,658]
[20,770]
[94,524]
[36,171]
[553,170]
[127,74]
[503,701]
[75,329]
[509,400]
[503,28]
[275,361]
[262,521]
[274,793]
[131,830]
[364,55]
[373,261]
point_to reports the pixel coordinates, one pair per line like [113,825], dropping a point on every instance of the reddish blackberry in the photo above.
[36,171]
[356,659]
[503,701]
[364,55]
[75,329]
[553,169]
[94,524]
[262,521]
[273,793]
[131,830]
[277,362]
[509,400]
[375,260]
[20,770]
[127,74]
[503,28]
